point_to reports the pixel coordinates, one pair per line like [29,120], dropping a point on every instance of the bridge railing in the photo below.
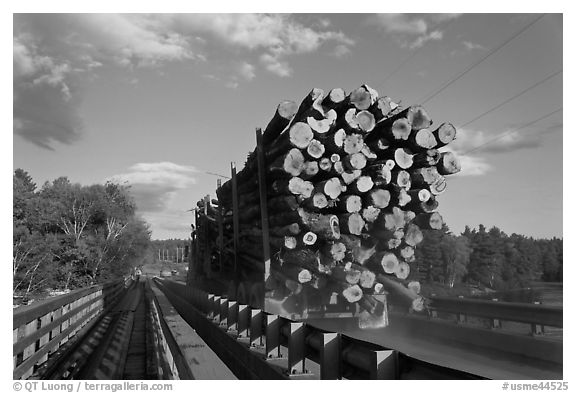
[535,315]
[41,328]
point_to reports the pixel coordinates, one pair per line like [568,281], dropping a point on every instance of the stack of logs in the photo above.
[351,182]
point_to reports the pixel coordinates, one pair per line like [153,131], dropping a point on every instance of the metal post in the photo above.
[232,317]
[263,208]
[296,348]
[383,364]
[216,308]
[243,318]
[235,221]
[256,327]
[220,228]
[330,365]
[494,322]
[272,336]
[223,312]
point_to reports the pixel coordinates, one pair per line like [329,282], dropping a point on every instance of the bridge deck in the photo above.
[485,362]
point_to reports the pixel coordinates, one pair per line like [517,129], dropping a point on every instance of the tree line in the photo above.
[173,250]
[67,235]
[487,258]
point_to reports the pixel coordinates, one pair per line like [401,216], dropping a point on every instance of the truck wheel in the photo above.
[257,295]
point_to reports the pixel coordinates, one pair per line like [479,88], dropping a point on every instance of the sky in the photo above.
[156,101]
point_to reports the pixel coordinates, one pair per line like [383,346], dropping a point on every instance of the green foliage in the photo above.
[487,259]
[68,236]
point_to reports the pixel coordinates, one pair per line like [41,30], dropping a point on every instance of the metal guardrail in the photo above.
[41,328]
[535,315]
[249,341]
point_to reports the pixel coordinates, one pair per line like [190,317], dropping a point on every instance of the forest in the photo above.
[67,235]
[487,258]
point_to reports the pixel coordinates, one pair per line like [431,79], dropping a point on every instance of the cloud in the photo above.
[341,51]
[435,35]
[274,36]
[45,108]
[475,162]
[408,26]
[246,70]
[154,184]
[504,142]
[274,65]
[471,46]
[55,54]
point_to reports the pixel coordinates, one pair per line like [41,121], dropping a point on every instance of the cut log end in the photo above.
[353,143]
[365,121]
[315,149]
[418,118]
[389,262]
[403,158]
[445,134]
[352,294]
[449,164]
[300,135]
[370,214]
[402,271]
[401,129]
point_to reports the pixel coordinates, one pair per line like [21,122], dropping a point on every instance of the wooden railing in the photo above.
[41,328]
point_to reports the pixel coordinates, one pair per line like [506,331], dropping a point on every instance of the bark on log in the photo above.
[403,158]
[363,97]
[380,173]
[287,230]
[316,202]
[421,140]
[448,164]
[333,143]
[284,113]
[423,177]
[349,176]
[296,273]
[334,99]
[427,158]
[401,295]
[413,235]
[299,135]
[354,161]
[381,108]
[310,170]
[361,185]
[332,187]
[429,220]
[295,186]
[428,206]
[444,134]
[321,125]
[291,163]
[325,226]
[378,198]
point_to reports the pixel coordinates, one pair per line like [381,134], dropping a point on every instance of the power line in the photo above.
[494,50]
[513,130]
[407,60]
[511,98]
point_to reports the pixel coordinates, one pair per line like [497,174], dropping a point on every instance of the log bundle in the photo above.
[351,181]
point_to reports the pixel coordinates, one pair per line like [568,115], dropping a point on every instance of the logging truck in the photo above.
[323,219]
